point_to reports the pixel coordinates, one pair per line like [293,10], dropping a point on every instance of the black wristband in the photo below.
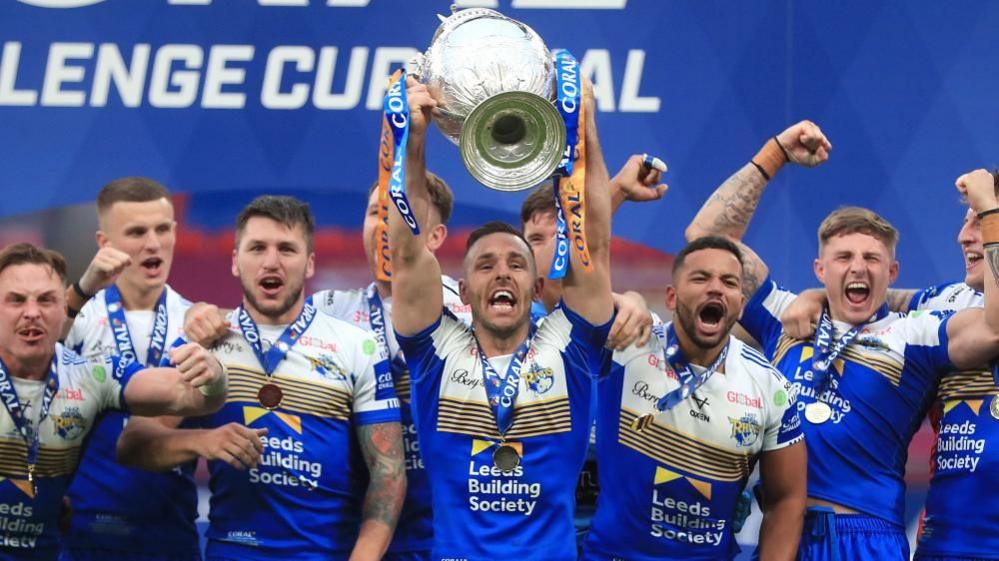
[982,215]
[79,291]
[760,169]
[787,157]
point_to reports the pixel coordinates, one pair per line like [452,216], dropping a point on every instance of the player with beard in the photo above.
[683,420]
[134,314]
[869,375]
[52,398]
[958,525]
[307,382]
[502,467]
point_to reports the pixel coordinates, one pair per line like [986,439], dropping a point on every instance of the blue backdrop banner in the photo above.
[210,96]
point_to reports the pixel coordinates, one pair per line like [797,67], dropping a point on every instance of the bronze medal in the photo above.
[642,423]
[818,412]
[270,396]
[506,458]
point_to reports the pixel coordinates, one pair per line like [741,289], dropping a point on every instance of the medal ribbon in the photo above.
[279,350]
[827,350]
[502,392]
[386,151]
[32,438]
[123,338]
[689,381]
[376,317]
[397,118]
[570,175]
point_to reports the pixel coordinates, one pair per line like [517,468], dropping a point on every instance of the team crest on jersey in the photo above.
[745,429]
[71,424]
[539,379]
[325,366]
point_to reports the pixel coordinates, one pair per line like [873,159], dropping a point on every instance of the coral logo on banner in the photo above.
[60,3]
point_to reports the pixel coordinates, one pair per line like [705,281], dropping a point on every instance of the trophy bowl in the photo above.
[494,82]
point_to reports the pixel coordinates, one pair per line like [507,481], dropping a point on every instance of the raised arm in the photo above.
[197,386]
[783,473]
[157,444]
[416,274]
[729,209]
[381,444]
[588,293]
[973,334]
[101,273]
[637,182]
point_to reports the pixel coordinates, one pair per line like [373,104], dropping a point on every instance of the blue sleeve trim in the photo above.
[917,299]
[593,334]
[380,416]
[123,378]
[423,335]
[762,292]
[941,354]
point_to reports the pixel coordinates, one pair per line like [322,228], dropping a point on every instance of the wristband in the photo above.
[982,215]
[79,292]
[218,387]
[760,169]
[990,227]
[787,157]
[770,158]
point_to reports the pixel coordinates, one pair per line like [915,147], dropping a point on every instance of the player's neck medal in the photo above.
[506,457]
[270,396]
[994,408]
[642,422]
[818,412]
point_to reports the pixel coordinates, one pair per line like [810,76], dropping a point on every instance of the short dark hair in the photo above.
[541,199]
[706,242]
[858,220]
[494,227]
[25,253]
[441,195]
[283,209]
[131,190]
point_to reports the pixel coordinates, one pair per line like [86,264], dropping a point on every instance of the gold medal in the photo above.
[994,408]
[506,457]
[270,396]
[642,423]
[818,412]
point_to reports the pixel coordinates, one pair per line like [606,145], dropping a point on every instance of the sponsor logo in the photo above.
[701,403]
[71,424]
[641,389]
[70,394]
[369,347]
[780,398]
[745,429]
[742,399]
[461,376]
[700,416]
[539,379]
[99,373]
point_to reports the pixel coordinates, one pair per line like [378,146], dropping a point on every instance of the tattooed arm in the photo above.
[728,211]
[381,444]
[973,334]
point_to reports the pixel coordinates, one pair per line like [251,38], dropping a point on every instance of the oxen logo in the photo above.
[538,379]
[745,429]
[71,424]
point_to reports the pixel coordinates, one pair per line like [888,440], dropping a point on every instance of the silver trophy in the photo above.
[494,81]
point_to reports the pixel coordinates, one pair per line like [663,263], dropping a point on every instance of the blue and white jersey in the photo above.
[484,513]
[878,389]
[415,531]
[960,521]
[105,513]
[670,491]
[87,388]
[304,500]
[950,296]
